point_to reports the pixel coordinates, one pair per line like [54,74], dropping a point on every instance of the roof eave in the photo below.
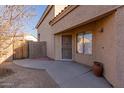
[44,15]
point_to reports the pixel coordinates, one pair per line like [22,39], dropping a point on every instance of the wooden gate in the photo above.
[20,49]
[37,49]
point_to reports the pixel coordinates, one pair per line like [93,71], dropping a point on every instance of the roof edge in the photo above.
[47,10]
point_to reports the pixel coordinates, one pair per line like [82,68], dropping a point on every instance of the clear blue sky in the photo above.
[30,27]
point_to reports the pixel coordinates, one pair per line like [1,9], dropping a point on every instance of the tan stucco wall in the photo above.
[119,22]
[104,46]
[104,49]
[80,15]
[46,33]
[58,47]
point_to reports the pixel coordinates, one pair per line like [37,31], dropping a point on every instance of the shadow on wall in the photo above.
[24,49]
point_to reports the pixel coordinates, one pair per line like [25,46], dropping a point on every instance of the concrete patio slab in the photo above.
[87,80]
[67,74]
[21,77]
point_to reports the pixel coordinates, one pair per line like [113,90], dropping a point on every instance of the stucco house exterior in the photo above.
[86,34]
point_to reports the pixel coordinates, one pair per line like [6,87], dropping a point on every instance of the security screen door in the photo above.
[66,47]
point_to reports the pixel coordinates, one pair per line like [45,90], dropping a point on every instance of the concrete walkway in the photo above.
[67,74]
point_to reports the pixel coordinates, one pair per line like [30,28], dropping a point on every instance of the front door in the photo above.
[66,47]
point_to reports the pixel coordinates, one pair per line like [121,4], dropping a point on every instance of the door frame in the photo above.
[63,59]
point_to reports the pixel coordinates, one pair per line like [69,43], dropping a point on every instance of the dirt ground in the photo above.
[20,77]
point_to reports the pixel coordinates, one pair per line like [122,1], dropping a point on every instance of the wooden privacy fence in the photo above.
[37,49]
[28,49]
[20,49]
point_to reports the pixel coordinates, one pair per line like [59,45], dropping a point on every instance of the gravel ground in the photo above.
[25,77]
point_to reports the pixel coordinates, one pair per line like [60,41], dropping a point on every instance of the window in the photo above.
[84,43]
[38,37]
[88,43]
[80,43]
